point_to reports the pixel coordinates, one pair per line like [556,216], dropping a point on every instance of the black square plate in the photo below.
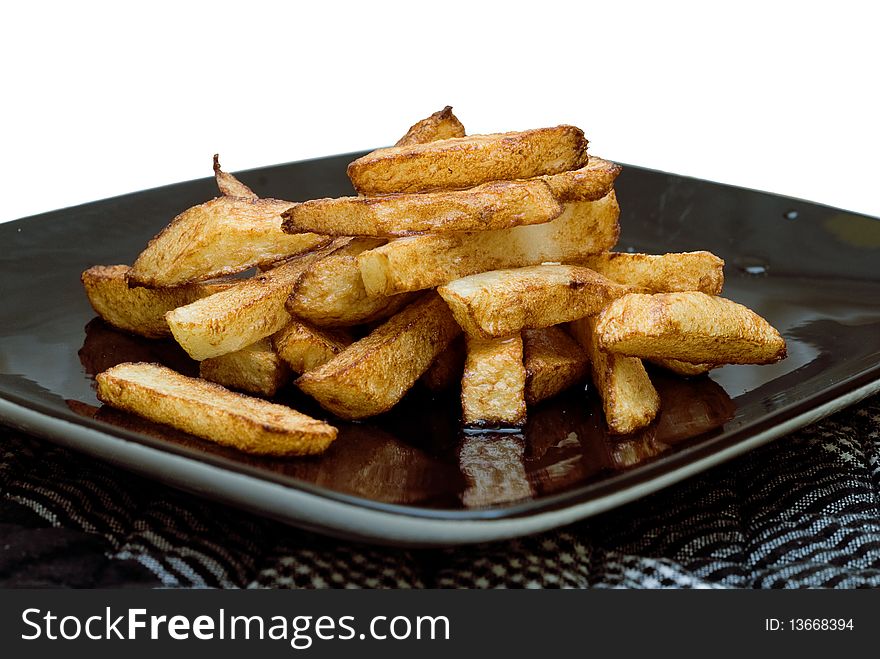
[411,476]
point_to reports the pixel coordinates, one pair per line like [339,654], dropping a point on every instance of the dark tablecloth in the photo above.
[803,511]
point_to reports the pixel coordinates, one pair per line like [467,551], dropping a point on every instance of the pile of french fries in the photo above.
[503,238]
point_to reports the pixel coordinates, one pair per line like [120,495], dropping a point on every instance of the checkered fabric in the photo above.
[803,511]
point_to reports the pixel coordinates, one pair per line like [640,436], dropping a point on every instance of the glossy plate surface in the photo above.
[412,476]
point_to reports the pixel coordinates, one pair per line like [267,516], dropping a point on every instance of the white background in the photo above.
[101,99]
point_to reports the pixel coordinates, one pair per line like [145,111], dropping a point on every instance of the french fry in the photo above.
[304,347]
[682,368]
[373,374]
[211,412]
[446,371]
[256,369]
[463,162]
[420,262]
[692,327]
[220,237]
[241,315]
[553,362]
[439,126]
[589,183]
[662,273]
[494,205]
[503,302]
[139,310]
[331,292]
[229,185]
[493,384]
[629,400]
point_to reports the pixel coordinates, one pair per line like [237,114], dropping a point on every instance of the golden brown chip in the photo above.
[331,293]
[139,310]
[220,237]
[553,361]
[256,369]
[229,185]
[494,205]
[305,347]
[419,262]
[439,126]
[493,384]
[662,273]
[589,183]
[629,400]
[503,302]
[373,374]
[241,315]
[211,412]
[463,162]
[692,327]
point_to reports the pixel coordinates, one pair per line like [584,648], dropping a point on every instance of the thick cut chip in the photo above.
[445,373]
[304,347]
[139,310]
[692,327]
[256,368]
[503,302]
[493,384]
[439,126]
[553,361]
[589,183]
[212,412]
[220,237]
[372,375]
[331,293]
[662,273]
[679,367]
[495,205]
[241,315]
[229,185]
[419,262]
[463,162]
[629,400]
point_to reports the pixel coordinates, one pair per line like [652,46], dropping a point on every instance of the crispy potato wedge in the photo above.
[553,362]
[446,371]
[331,293]
[494,205]
[229,185]
[439,126]
[241,315]
[662,273]
[220,237]
[493,466]
[589,183]
[372,375]
[256,369]
[682,368]
[139,310]
[463,162]
[304,347]
[493,384]
[503,302]
[211,412]
[419,262]
[692,327]
[629,400]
